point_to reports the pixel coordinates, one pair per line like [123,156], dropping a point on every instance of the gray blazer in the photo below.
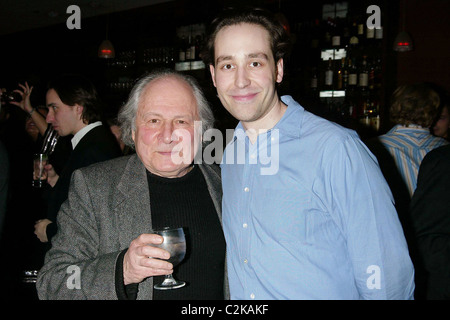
[108,207]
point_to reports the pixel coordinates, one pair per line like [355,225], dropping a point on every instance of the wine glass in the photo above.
[175,243]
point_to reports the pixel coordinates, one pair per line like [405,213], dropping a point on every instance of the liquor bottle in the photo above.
[352,74]
[375,115]
[314,99]
[364,74]
[345,39]
[353,44]
[188,49]
[363,106]
[198,45]
[370,33]
[378,38]
[192,48]
[350,103]
[182,50]
[336,34]
[340,76]
[354,40]
[315,35]
[329,75]
[327,34]
[344,74]
[371,78]
[379,33]
[360,33]
[314,80]
[377,74]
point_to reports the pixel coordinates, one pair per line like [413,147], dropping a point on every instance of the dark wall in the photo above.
[428,23]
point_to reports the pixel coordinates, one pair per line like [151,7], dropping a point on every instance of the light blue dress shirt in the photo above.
[307,214]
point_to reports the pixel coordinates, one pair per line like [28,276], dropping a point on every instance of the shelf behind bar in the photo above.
[332,94]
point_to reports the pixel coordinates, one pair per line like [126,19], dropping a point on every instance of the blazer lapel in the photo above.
[132,202]
[132,209]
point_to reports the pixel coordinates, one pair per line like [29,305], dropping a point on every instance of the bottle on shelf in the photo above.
[370,34]
[379,33]
[352,74]
[364,74]
[355,70]
[198,45]
[327,34]
[314,81]
[377,74]
[315,35]
[345,39]
[336,33]
[192,52]
[182,50]
[360,32]
[188,49]
[341,81]
[354,40]
[371,79]
[329,75]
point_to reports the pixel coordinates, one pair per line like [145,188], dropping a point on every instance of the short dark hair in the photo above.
[280,41]
[76,89]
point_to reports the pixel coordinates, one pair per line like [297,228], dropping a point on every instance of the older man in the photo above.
[103,249]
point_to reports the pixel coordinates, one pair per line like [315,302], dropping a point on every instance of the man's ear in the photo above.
[212,71]
[79,110]
[280,71]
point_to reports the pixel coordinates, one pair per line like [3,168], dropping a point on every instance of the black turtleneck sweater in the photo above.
[186,202]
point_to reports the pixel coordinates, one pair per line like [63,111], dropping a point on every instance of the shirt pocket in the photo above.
[283,214]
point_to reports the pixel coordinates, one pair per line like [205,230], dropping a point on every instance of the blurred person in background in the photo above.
[400,151]
[74,108]
[441,126]
[43,134]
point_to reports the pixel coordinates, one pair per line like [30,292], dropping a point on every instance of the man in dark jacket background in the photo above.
[74,109]
[430,212]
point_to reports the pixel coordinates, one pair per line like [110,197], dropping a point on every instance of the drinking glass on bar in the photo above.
[39,173]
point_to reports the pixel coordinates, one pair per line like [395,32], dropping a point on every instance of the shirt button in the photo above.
[245,261]
[252,296]
[246,189]
[245,226]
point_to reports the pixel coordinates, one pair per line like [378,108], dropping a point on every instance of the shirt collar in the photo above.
[80,134]
[413,128]
[289,124]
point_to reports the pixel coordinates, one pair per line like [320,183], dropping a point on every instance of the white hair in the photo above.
[127,113]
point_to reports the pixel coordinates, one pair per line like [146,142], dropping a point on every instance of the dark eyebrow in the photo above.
[258,55]
[222,58]
[250,55]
